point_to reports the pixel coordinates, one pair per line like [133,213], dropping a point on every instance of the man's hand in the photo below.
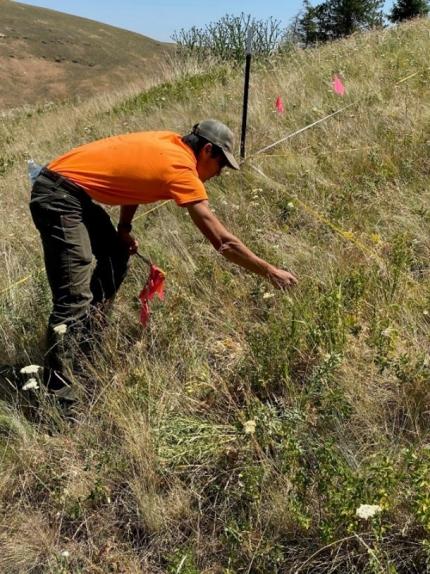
[129,242]
[281,279]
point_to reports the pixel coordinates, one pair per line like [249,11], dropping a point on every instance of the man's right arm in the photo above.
[124,228]
[233,249]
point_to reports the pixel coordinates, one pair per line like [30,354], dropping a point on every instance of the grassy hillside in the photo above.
[241,432]
[47,55]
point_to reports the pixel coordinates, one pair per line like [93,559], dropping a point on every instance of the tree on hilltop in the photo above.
[313,26]
[349,16]
[407,9]
[336,19]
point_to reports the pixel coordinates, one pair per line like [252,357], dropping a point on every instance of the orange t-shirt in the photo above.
[134,168]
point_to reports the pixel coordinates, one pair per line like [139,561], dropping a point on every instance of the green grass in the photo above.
[184,89]
[241,431]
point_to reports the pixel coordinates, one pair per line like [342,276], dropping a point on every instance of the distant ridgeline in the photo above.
[46,55]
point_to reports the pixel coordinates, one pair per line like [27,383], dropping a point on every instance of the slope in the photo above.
[46,55]
[245,428]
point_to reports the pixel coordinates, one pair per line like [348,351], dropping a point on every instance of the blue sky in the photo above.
[160,18]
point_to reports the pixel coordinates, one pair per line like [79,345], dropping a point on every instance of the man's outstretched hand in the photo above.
[282,279]
[233,249]
[129,242]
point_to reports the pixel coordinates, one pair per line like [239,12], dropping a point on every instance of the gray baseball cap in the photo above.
[219,134]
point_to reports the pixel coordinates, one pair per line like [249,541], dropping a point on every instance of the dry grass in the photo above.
[164,473]
[48,56]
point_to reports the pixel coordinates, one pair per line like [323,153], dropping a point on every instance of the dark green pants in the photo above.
[85,264]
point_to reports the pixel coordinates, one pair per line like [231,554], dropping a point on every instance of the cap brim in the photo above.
[231,162]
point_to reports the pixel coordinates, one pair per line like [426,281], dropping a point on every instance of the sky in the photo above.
[159,19]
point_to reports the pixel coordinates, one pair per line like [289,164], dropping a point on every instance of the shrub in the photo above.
[226,38]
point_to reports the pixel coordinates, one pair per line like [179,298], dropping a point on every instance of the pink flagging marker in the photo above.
[154,286]
[338,86]
[279,105]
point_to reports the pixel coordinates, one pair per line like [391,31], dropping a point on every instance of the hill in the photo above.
[245,430]
[47,55]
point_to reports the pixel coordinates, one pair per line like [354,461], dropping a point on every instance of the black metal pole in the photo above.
[246,92]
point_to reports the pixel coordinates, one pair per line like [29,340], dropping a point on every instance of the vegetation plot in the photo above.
[246,431]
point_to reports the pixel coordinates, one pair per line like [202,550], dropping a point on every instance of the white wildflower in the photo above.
[367,511]
[60,329]
[290,205]
[30,369]
[249,427]
[65,554]
[268,295]
[30,384]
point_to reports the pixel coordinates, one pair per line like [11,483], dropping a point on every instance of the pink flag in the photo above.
[279,105]
[154,286]
[337,85]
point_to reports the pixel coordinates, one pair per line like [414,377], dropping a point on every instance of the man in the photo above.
[124,170]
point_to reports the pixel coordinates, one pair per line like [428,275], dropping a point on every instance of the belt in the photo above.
[63,182]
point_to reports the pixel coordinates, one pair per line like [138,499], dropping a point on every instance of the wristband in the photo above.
[125,227]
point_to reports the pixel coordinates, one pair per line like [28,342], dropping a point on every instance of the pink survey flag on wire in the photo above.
[337,85]
[154,286]
[279,105]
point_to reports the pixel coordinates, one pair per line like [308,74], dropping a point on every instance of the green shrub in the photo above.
[226,38]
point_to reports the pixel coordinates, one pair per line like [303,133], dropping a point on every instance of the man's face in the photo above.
[208,166]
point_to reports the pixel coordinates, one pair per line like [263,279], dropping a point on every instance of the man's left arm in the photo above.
[233,249]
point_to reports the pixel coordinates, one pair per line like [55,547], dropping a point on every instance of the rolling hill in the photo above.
[245,430]
[47,55]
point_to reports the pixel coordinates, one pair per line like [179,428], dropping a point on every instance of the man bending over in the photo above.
[124,170]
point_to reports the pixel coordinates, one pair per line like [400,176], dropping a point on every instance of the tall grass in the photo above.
[241,431]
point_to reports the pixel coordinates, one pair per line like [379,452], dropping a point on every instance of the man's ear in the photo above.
[207,149]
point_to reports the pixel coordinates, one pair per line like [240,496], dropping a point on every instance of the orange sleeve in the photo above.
[185,188]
